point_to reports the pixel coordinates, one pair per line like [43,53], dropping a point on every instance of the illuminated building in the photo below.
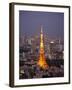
[42,61]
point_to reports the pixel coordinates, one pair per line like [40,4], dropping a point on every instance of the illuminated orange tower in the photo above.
[42,62]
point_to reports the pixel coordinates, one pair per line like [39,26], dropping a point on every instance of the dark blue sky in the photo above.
[52,22]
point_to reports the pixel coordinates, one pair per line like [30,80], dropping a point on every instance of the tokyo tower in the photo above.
[42,61]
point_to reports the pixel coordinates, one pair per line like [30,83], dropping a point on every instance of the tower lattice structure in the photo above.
[42,61]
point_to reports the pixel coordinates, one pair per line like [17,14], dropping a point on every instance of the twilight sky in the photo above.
[52,22]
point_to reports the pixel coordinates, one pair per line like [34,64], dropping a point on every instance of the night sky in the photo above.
[52,22]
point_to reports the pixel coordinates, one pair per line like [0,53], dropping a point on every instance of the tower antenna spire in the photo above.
[41,29]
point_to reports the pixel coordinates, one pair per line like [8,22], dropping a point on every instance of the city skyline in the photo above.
[41,44]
